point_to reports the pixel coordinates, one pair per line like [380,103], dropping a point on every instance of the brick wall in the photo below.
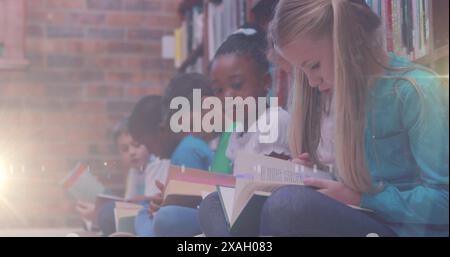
[90,60]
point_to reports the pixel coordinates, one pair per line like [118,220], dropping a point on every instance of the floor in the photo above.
[46,232]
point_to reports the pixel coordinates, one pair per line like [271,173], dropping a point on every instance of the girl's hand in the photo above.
[335,190]
[156,201]
[304,159]
[86,210]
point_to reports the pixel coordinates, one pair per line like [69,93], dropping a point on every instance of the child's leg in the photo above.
[143,223]
[212,218]
[175,221]
[302,211]
[105,218]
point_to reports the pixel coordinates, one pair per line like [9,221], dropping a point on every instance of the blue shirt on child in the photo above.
[193,152]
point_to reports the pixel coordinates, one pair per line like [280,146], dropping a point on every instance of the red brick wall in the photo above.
[90,61]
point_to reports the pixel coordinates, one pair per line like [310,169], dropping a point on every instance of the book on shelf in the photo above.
[189,36]
[405,26]
[224,19]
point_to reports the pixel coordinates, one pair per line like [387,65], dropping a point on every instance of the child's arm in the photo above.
[425,117]
[156,201]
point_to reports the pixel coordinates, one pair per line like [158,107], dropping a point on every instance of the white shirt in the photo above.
[326,149]
[250,141]
[143,182]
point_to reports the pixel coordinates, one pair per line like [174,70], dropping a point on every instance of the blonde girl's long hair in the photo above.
[353,28]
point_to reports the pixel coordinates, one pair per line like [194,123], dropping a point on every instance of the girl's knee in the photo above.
[210,203]
[288,200]
[175,221]
[165,217]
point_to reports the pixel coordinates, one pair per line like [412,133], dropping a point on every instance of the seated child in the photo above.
[135,158]
[192,151]
[145,127]
[240,69]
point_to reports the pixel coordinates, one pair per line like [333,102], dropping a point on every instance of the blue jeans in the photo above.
[143,223]
[105,218]
[169,221]
[296,211]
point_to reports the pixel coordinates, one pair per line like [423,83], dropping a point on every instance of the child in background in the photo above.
[240,69]
[192,151]
[145,127]
[134,157]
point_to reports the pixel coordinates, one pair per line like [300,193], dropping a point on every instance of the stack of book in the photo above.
[189,36]
[223,20]
[406,26]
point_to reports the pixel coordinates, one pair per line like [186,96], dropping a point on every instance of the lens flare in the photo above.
[2,173]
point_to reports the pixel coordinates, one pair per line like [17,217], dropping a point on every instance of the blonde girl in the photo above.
[390,123]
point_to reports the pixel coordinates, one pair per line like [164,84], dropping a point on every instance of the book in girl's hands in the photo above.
[257,176]
[271,169]
[82,185]
[187,187]
[242,217]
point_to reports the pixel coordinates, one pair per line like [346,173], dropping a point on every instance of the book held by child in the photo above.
[257,176]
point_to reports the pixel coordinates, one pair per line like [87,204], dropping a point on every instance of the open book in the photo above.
[257,177]
[103,199]
[82,185]
[271,169]
[187,187]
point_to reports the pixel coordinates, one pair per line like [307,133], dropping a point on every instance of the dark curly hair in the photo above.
[249,40]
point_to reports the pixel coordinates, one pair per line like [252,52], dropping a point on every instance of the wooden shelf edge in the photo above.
[435,55]
[440,52]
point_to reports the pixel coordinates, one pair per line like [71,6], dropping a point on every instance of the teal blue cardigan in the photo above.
[406,143]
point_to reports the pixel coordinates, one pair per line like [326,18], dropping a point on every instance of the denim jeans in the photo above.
[143,223]
[296,211]
[105,218]
[169,221]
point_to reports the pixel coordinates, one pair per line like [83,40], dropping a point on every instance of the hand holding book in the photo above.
[156,201]
[304,159]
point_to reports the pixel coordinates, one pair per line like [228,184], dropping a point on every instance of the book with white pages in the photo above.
[257,176]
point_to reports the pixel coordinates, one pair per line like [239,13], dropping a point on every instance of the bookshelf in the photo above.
[438,56]
[428,45]
[214,11]
[417,29]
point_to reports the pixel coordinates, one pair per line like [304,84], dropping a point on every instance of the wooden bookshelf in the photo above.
[256,13]
[438,55]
